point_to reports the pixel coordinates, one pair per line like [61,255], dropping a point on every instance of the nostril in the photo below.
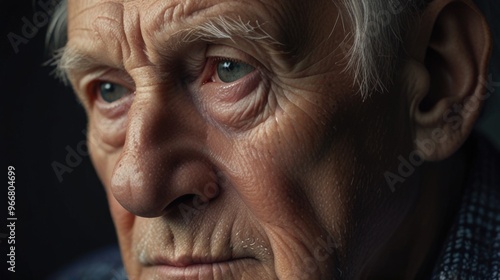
[185,199]
[186,207]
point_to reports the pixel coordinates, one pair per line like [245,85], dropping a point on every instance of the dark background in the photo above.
[57,221]
[41,118]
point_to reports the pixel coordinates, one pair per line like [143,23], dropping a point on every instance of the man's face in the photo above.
[246,157]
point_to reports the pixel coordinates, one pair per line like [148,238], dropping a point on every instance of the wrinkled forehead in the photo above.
[124,29]
[151,15]
[150,11]
[119,32]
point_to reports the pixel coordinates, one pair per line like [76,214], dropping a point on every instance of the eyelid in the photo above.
[113,109]
[217,53]
[254,54]
[90,87]
[90,82]
[222,52]
[213,75]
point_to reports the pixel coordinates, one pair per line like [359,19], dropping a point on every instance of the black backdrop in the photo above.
[41,119]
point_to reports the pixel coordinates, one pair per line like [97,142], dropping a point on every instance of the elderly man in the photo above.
[288,139]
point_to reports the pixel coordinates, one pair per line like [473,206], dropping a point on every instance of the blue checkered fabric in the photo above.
[472,248]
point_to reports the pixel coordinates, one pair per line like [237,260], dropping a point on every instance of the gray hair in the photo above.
[378,29]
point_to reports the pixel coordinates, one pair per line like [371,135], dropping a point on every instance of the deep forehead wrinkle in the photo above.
[140,25]
[136,34]
[99,26]
[175,11]
[126,31]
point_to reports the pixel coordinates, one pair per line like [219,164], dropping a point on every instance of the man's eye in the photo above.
[111,92]
[229,71]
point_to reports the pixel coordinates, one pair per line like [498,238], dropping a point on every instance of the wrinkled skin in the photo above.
[279,174]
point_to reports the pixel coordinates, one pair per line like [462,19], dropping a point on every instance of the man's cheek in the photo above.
[110,132]
[122,219]
[103,159]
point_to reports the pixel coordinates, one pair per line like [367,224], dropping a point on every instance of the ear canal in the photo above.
[456,56]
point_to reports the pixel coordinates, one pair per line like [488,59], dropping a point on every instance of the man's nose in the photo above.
[162,160]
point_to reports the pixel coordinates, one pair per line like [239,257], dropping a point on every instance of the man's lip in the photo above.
[191,261]
[223,269]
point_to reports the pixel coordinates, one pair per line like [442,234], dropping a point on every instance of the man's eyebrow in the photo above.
[68,59]
[218,29]
[227,28]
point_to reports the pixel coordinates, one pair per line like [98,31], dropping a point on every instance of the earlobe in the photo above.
[451,56]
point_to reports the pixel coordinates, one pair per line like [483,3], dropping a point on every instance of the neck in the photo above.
[412,250]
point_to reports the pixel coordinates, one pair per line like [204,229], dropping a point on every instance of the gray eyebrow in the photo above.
[68,59]
[228,28]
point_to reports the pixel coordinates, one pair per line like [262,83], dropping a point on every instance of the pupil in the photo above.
[230,71]
[109,87]
[228,66]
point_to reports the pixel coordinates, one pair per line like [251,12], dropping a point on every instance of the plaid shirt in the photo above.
[472,247]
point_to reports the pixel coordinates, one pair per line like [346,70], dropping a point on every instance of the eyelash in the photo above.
[113,109]
[212,64]
[189,74]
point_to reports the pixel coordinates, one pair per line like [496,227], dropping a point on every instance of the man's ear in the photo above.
[449,61]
